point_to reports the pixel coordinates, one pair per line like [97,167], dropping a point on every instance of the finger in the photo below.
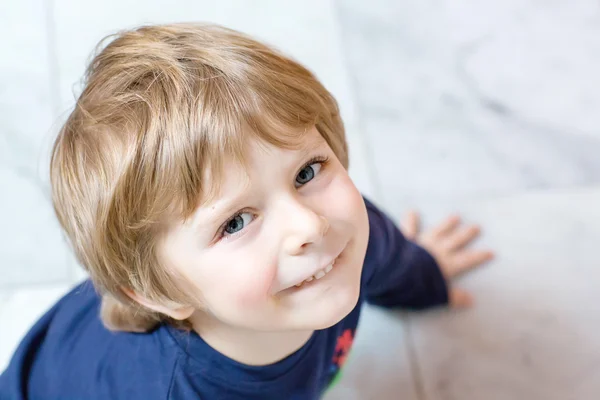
[460,299]
[463,237]
[410,225]
[446,227]
[468,260]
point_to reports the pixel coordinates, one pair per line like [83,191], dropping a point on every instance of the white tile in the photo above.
[308,31]
[532,334]
[25,95]
[4,295]
[19,310]
[539,60]
[476,98]
[31,249]
[522,53]
[378,366]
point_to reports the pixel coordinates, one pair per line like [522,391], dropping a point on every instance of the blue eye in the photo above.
[237,223]
[307,173]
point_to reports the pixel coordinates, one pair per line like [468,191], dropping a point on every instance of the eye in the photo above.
[237,223]
[307,173]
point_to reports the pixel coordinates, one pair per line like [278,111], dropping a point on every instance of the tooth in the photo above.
[328,268]
[319,274]
[299,284]
[309,279]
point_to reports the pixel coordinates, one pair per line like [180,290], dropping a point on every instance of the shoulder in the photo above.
[75,356]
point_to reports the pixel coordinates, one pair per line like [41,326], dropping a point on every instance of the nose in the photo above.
[305,227]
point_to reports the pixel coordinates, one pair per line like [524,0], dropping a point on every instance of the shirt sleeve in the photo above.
[398,272]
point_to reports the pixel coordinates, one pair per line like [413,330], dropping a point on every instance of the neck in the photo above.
[247,346]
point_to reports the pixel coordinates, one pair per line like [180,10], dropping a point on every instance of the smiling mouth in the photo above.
[318,275]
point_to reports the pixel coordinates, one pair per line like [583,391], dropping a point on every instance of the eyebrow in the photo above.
[219,210]
[313,145]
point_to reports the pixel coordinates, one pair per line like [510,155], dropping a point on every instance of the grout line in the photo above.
[353,89]
[413,358]
[378,192]
[51,53]
[54,84]
[495,195]
[10,288]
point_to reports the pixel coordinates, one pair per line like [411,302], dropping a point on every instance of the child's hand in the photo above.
[447,243]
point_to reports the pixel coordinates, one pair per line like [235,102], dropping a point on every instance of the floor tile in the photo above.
[31,247]
[475,99]
[532,334]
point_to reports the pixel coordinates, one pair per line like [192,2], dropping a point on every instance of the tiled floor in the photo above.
[532,334]
[487,108]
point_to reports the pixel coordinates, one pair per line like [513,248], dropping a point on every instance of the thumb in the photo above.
[460,299]
[410,225]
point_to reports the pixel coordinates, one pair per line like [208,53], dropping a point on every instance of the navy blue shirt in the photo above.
[69,354]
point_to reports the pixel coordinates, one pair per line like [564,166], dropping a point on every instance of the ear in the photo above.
[174,310]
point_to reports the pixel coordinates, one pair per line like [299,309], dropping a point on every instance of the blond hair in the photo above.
[161,105]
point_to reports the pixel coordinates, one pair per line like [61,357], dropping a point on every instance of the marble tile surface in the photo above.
[476,98]
[533,332]
[379,366]
[31,247]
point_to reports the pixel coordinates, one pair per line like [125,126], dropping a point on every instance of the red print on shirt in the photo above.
[342,347]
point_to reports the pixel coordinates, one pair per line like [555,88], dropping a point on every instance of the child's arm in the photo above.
[400,273]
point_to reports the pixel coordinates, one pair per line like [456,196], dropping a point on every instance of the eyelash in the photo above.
[323,160]
[315,160]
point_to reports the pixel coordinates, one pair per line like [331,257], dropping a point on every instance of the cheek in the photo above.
[349,204]
[254,287]
[245,284]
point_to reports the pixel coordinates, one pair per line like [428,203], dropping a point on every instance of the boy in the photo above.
[202,181]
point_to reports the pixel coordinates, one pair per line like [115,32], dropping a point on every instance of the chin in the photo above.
[338,307]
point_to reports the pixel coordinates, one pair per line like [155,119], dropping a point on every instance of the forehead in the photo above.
[233,172]
[303,143]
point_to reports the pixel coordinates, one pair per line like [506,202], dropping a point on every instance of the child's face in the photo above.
[282,221]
